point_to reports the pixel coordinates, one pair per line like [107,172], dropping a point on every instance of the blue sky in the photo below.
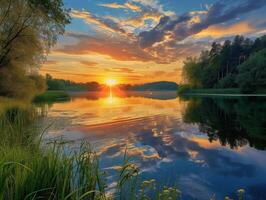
[146,40]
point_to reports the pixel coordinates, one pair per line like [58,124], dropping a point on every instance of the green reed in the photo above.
[30,170]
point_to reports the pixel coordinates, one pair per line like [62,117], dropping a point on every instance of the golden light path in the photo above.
[111,83]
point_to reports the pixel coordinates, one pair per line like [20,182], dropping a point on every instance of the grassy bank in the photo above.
[51,96]
[208,92]
[30,169]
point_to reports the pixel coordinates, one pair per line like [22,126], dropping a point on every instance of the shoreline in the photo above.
[230,92]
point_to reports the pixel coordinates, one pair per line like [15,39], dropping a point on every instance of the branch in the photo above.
[10,41]
[7,12]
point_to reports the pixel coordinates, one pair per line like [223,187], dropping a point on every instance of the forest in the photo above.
[240,63]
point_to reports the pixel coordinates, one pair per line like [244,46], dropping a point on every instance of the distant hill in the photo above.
[153,86]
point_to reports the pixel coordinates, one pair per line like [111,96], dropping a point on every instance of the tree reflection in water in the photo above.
[234,121]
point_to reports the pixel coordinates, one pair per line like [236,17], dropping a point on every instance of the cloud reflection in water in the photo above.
[162,144]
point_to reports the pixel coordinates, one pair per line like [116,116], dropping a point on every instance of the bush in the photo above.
[52,96]
[183,89]
[15,83]
[39,83]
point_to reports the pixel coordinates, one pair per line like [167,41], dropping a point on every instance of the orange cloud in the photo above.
[117,48]
[106,24]
[217,31]
[77,77]
[126,49]
[120,70]
[139,21]
[89,63]
[133,7]
[51,62]
[127,5]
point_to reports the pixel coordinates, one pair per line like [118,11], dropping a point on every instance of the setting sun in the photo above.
[111,82]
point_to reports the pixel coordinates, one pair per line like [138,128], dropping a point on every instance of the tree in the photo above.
[225,58]
[192,72]
[218,67]
[252,73]
[28,29]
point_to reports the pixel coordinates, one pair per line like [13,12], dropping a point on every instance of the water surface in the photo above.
[205,146]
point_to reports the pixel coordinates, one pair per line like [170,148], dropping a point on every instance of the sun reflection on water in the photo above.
[111,99]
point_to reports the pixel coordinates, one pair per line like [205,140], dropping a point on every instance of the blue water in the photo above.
[205,146]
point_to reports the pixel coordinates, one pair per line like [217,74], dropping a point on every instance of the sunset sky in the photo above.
[136,41]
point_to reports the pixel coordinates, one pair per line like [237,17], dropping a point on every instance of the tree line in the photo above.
[61,84]
[240,63]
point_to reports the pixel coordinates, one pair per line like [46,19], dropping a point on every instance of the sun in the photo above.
[111,82]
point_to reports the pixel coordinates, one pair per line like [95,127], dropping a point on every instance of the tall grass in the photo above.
[30,171]
[49,175]
[18,127]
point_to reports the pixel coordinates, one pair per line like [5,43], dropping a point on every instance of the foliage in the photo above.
[28,29]
[227,82]
[252,73]
[220,66]
[61,84]
[183,89]
[192,72]
[52,96]
[15,83]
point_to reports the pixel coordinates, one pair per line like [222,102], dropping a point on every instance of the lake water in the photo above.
[205,146]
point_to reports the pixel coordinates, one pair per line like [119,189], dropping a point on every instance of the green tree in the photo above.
[28,29]
[252,73]
[218,67]
[192,72]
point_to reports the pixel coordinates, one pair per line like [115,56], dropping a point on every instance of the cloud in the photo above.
[51,62]
[181,27]
[165,28]
[120,70]
[148,11]
[104,23]
[127,5]
[218,31]
[153,5]
[140,20]
[172,39]
[115,47]
[124,49]
[123,70]
[88,63]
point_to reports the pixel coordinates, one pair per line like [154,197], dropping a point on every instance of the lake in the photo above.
[205,146]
